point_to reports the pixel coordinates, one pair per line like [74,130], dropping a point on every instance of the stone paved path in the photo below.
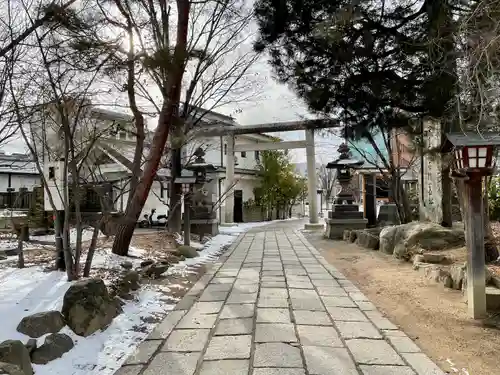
[274,306]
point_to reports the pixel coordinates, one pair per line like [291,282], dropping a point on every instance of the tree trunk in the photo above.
[491,253]
[20,253]
[90,254]
[175,211]
[168,113]
[447,194]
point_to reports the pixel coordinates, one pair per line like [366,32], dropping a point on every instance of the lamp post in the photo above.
[320,193]
[186,188]
[473,160]
[199,169]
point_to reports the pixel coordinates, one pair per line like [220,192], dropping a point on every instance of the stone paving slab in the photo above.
[272,305]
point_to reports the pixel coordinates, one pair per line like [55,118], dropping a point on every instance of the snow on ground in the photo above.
[31,290]
[86,236]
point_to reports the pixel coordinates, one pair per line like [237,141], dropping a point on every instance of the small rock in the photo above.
[40,324]
[492,298]
[14,352]
[353,236]
[433,258]
[88,306]
[127,265]
[10,369]
[438,275]
[347,235]
[457,273]
[154,271]
[31,345]
[188,251]
[132,278]
[146,263]
[54,347]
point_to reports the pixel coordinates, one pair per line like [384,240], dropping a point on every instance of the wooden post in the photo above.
[476,283]
[187,220]
[370,198]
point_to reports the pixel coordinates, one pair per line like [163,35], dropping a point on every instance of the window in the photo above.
[257,155]
[243,154]
[52,173]
[225,148]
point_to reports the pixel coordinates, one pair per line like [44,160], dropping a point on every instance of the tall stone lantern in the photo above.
[344,214]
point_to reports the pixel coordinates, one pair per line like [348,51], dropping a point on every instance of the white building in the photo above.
[112,154]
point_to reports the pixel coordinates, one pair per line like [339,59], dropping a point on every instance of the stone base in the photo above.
[335,227]
[227,224]
[388,215]
[314,226]
[204,226]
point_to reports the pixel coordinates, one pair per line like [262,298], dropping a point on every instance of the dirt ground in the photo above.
[435,317]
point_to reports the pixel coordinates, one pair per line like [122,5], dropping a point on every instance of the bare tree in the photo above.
[327,178]
[390,164]
[478,106]
[221,74]
[51,92]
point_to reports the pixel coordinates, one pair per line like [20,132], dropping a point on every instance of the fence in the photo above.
[27,200]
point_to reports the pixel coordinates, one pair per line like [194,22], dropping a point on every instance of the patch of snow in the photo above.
[8,244]
[86,236]
[9,213]
[104,258]
[30,290]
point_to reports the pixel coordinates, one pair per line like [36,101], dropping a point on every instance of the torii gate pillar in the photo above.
[314,223]
[229,186]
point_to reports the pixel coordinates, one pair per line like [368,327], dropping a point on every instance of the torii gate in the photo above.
[231,131]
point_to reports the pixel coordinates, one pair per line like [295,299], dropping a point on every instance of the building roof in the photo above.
[461,139]
[17,164]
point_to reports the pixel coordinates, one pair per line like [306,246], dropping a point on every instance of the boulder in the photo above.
[429,258]
[132,279]
[88,307]
[155,270]
[10,369]
[387,239]
[31,345]
[54,346]
[492,298]
[187,251]
[353,236]
[457,272]
[433,258]
[127,265]
[402,240]
[367,240]
[147,262]
[439,275]
[14,352]
[40,324]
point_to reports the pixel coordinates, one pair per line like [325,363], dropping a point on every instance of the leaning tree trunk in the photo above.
[169,111]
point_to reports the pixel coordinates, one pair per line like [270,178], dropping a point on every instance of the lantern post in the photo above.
[473,160]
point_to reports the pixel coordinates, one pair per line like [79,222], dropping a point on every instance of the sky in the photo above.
[276,104]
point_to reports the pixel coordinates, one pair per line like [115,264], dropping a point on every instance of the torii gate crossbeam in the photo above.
[231,131]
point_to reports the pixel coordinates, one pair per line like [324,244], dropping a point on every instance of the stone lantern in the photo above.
[201,213]
[344,214]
